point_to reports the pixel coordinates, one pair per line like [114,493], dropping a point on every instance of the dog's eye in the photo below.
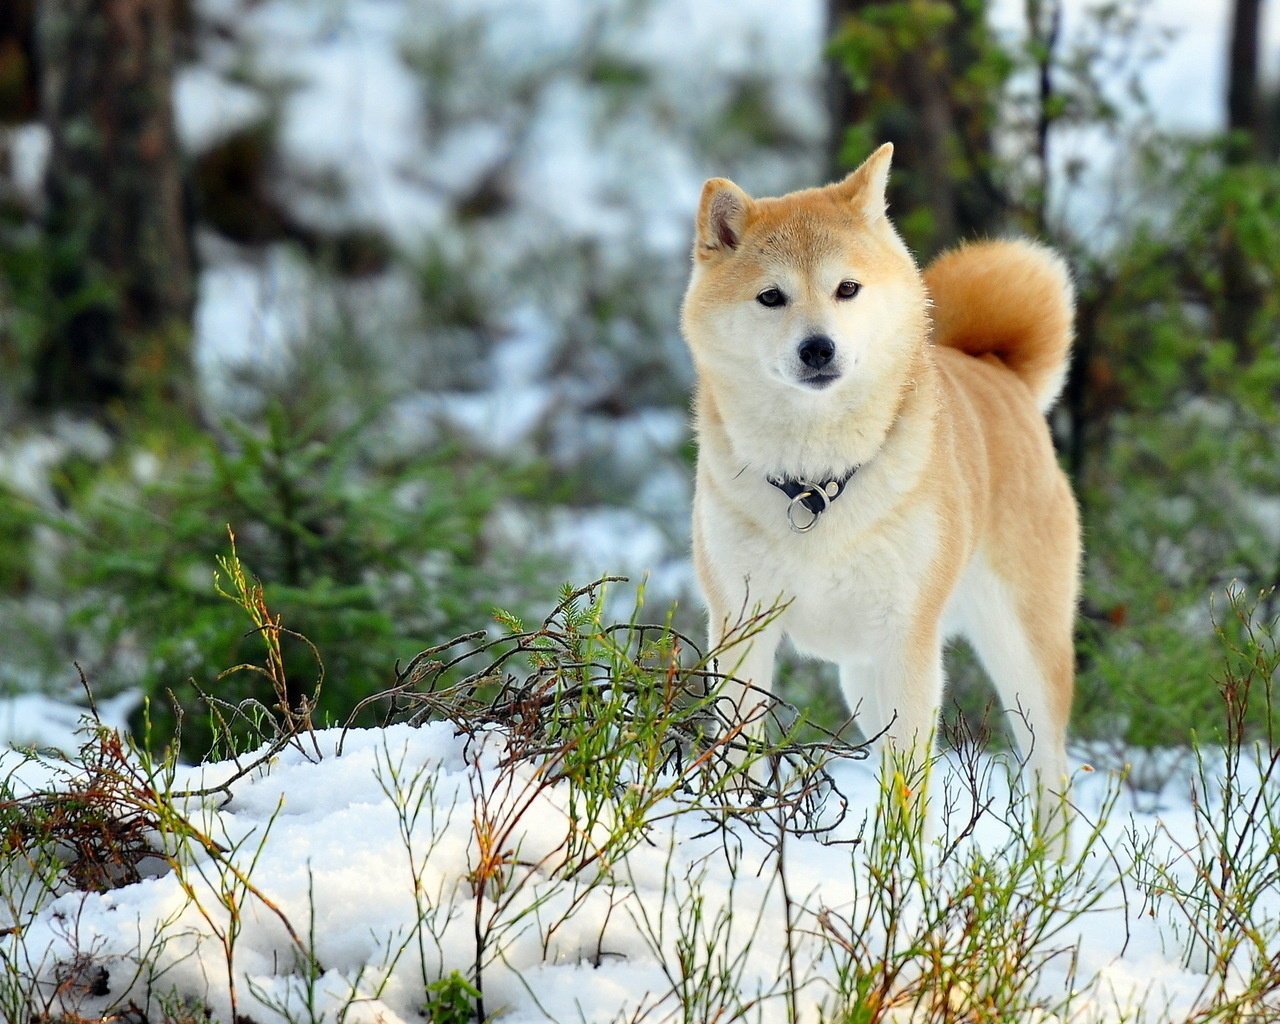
[848,289]
[771,297]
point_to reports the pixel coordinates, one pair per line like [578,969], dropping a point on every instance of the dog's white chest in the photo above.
[851,607]
[845,593]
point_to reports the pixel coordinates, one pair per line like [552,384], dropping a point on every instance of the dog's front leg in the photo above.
[903,681]
[744,667]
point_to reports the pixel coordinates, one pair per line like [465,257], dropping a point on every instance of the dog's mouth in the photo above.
[819,379]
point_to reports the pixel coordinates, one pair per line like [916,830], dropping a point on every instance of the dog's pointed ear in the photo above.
[866,186]
[722,217]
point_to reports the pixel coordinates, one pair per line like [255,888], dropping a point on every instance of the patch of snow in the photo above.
[28,457]
[1264,510]
[25,464]
[250,311]
[1187,84]
[371,858]
[208,107]
[603,540]
[502,418]
[492,421]
[635,445]
[352,115]
[39,721]
[28,146]
[466,153]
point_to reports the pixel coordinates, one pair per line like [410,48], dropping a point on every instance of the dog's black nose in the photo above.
[816,351]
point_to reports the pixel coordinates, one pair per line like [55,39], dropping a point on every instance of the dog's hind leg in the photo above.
[1028,653]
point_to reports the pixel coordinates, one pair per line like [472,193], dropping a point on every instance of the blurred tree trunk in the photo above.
[907,79]
[122,275]
[1242,292]
[17,61]
[1244,111]
[1044,30]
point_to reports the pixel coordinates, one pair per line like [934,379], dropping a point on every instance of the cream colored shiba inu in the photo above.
[873,456]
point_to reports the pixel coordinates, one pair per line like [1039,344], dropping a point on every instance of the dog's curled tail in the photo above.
[1010,299]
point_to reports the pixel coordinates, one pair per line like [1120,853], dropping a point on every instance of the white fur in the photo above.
[848,586]
[984,613]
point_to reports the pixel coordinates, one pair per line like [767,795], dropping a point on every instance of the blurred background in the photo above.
[390,288]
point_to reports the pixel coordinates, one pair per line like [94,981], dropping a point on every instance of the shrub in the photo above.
[368,557]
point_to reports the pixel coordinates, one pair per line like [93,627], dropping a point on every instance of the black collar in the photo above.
[815,495]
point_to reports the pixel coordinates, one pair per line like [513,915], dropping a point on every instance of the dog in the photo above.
[874,460]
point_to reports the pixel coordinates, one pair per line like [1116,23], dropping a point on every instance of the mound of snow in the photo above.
[353,880]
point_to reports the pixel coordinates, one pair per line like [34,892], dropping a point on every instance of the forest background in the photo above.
[390,290]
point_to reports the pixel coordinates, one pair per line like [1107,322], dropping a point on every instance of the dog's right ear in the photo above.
[722,217]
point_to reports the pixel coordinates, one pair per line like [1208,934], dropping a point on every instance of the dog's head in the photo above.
[807,295]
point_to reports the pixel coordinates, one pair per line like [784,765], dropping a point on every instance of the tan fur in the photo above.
[972,288]
[958,519]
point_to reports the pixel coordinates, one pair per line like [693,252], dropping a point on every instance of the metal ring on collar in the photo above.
[799,500]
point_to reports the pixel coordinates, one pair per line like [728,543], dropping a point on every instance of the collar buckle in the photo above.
[810,490]
[814,498]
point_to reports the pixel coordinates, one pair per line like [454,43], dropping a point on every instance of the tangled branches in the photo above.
[629,705]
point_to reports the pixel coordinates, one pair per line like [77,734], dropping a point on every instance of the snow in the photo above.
[393,112]
[29,455]
[28,148]
[208,107]
[601,539]
[356,117]
[36,720]
[1187,84]
[370,857]
[252,310]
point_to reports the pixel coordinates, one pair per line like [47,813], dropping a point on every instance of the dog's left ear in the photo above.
[866,186]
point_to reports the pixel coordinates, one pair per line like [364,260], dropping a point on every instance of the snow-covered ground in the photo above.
[371,859]
[37,721]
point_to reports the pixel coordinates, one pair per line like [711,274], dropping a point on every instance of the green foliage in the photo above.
[883,31]
[940,930]
[452,296]
[31,312]
[1235,833]
[15,543]
[626,714]
[451,1000]
[368,557]
[23,316]
[928,76]
[1177,469]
